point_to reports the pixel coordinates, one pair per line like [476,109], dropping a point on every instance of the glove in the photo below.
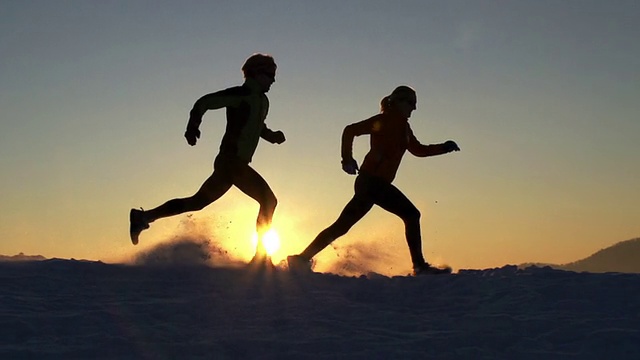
[278,137]
[192,135]
[450,146]
[350,166]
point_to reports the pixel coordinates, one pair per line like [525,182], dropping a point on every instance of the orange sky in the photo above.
[541,98]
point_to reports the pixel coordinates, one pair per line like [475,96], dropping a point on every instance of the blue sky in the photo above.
[540,95]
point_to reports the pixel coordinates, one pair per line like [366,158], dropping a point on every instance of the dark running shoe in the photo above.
[137,223]
[299,264]
[427,269]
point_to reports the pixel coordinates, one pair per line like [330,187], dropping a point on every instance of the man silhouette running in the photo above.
[246,109]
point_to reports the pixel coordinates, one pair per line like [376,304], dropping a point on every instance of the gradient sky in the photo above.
[542,97]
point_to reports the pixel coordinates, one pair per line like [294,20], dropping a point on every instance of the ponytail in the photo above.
[389,101]
[385,103]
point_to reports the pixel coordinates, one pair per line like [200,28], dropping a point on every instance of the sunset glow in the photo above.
[271,241]
[540,96]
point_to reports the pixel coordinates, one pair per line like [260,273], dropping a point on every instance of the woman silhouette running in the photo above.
[390,136]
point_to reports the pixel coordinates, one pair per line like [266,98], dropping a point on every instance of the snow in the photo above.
[65,308]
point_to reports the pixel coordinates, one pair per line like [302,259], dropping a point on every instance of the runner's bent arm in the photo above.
[274,137]
[420,150]
[216,100]
[350,132]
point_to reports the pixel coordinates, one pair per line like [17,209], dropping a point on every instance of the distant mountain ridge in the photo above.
[22,257]
[622,257]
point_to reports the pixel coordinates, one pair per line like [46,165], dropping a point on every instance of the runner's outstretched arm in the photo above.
[420,150]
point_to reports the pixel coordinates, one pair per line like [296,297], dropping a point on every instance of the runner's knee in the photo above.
[269,202]
[273,200]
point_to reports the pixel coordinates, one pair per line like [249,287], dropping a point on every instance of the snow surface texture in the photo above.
[62,309]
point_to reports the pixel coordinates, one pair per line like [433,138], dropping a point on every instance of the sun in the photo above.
[271,241]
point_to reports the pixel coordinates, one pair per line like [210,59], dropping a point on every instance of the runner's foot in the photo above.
[428,269]
[137,223]
[298,263]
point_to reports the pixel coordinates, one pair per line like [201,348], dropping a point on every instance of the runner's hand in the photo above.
[450,146]
[278,137]
[350,166]
[192,135]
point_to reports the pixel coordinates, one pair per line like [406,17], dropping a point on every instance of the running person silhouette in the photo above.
[390,136]
[246,110]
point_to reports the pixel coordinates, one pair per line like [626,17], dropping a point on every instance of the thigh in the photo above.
[215,186]
[251,183]
[392,200]
[355,210]
[221,180]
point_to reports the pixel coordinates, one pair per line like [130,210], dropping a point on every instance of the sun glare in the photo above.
[271,241]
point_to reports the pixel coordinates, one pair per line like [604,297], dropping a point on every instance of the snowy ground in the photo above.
[66,309]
